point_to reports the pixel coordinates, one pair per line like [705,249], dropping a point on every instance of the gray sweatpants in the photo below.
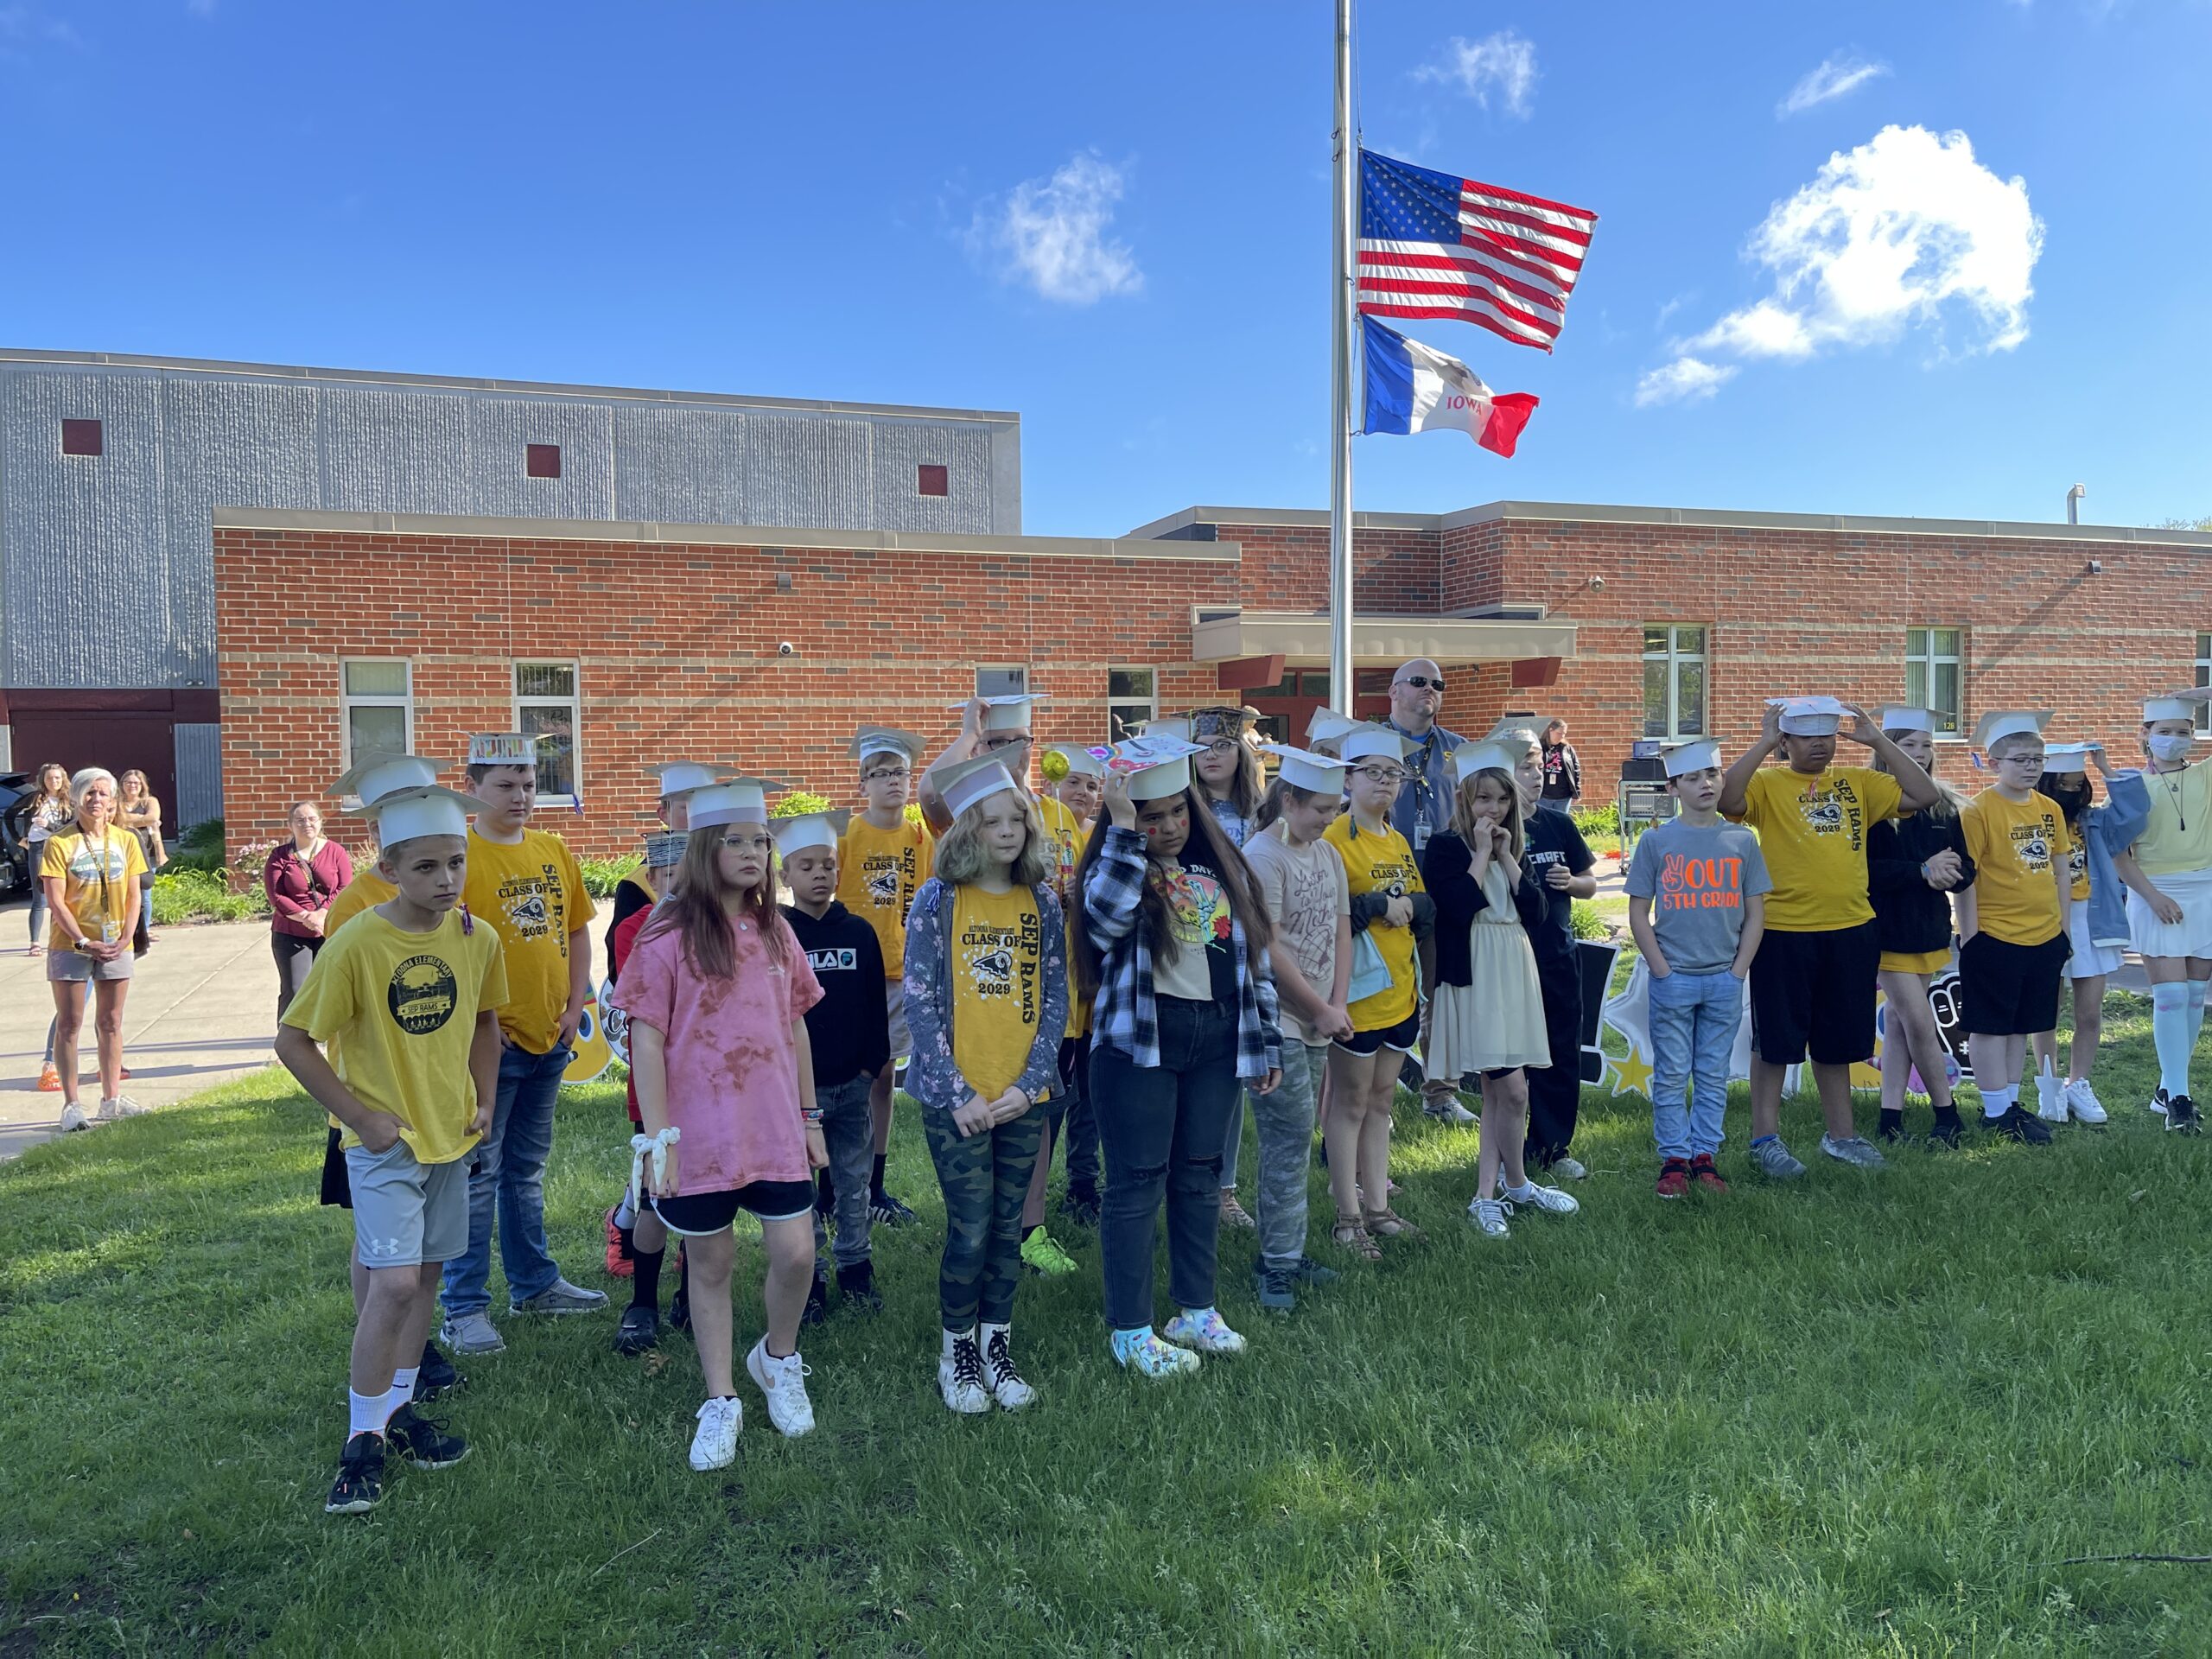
[1284,1121]
[849,1137]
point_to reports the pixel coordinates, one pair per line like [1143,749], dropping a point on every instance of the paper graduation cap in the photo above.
[1696,755]
[376,773]
[964,782]
[1302,769]
[796,834]
[421,810]
[1809,716]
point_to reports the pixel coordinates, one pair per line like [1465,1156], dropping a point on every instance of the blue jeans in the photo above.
[1693,1019]
[509,1176]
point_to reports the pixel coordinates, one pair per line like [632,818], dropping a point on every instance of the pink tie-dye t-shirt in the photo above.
[732,1072]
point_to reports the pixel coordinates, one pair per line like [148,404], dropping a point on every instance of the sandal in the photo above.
[1391,1225]
[1351,1235]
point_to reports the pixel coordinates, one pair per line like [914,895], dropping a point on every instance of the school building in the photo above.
[743,579]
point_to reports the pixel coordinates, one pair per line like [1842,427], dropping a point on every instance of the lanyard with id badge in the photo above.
[111,927]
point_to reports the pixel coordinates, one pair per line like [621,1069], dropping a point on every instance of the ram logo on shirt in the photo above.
[830,959]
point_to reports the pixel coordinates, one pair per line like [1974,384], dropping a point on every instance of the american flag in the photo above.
[1434,246]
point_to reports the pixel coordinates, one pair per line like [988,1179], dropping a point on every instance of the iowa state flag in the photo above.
[1411,388]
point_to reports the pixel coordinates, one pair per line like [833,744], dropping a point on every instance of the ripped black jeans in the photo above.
[1161,1127]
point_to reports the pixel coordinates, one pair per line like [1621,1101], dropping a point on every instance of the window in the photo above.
[544,461]
[932,481]
[546,708]
[1932,675]
[1132,698]
[2204,677]
[81,438]
[377,706]
[999,680]
[1674,680]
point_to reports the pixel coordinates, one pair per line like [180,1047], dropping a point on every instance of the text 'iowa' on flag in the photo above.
[1412,388]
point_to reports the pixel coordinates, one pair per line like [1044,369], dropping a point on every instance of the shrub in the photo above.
[204,838]
[1597,820]
[602,875]
[798,801]
[202,895]
[1587,924]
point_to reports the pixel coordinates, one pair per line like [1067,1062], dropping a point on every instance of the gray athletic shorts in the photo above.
[75,968]
[894,1002]
[405,1212]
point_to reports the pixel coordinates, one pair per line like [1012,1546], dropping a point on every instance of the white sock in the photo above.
[1520,1194]
[2170,1036]
[365,1413]
[1996,1101]
[402,1391]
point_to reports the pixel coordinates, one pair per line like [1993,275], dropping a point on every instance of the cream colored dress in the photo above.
[1495,1021]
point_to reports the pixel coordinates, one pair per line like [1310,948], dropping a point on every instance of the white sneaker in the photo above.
[121,1107]
[75,1117]
[2158,1101]
[784,1382]
[1571,1169]
[2084,1102]
[1488,1215]
[1448,1108]
[1543,1198]
[715,1446]
[2051,1098]
[960,1376]
[1006,1382]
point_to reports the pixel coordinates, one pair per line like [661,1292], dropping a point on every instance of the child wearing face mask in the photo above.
[2168,873]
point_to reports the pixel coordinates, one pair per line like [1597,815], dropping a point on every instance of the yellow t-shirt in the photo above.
[2078,867]
[1382,863]
[98,874]
[2177,799]
[2014,845]
[1813,834]
[396,1012]
[1068,838]
[534,894]
[365,892]
[998,985]
[879,871]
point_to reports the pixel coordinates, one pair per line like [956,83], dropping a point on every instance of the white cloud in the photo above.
[1908,231]
[1837,75]
[1685,380]
[1503,63]
[1051,234]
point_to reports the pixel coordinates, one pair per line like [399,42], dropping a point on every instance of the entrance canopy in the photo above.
[1379,641]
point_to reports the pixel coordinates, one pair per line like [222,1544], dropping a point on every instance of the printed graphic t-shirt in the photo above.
[98,873]
[365,892]
[879,871]
[1068,837]
[1306,896]
[998,985]
[2012,844]
[1204,967]
[1813,832]
[405,1005]
[1382,864]
[1697,877]
[533,894]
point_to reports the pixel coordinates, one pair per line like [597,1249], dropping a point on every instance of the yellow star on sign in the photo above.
[1631,1073]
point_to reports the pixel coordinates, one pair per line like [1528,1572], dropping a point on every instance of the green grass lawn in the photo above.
[1867,1413]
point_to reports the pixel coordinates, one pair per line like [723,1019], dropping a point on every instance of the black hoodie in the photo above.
[850,1026]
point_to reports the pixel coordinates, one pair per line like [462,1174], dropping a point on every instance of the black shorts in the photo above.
[337,1184]
[2010,991]
[696,1215]
[1402,1037]
[1814,992]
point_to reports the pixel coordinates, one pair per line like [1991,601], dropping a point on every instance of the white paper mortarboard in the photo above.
[502,749]
[872,740]
[681,776]
[1176,725]
[2067,759]
[1327,726]
[1898,717]
[376,773]
[1503,754]
[1303,770]
[1373,742]
[741,801]
[1809,716]
[795,835]
[964,782]
[422,810]
[1694,756]
[1515,729]
[1009,714]
[1158,782]
[1080,761]
[2182,706]
[2009,723]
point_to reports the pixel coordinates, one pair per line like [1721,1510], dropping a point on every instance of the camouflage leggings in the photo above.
[985,1178]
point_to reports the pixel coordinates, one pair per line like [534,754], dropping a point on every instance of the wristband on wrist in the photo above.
[812,1115]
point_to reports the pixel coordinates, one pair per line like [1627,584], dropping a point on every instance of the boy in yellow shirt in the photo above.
[882,861]
[1812,979]
[525,884]
[2012,943]
[404,999]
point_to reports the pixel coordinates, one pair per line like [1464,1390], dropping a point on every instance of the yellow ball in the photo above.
[1055,766]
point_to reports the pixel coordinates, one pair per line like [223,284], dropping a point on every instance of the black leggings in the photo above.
[295,956]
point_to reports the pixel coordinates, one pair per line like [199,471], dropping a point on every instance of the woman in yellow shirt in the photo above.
[90,872]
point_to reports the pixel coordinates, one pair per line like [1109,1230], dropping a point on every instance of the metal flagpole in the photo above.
[1343,295]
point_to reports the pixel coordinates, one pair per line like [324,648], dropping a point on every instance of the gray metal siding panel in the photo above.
[806,472]
[680,466]
[393,452]
[198,778]
[87,583]
[899,448]
[501,428]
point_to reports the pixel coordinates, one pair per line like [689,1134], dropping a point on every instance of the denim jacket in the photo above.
[1128,1017]
[2105,830]
[932,1076]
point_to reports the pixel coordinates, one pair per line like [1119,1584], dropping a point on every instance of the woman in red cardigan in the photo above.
[301,878]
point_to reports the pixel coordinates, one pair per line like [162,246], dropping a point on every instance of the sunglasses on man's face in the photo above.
[992,745]
[1422,683]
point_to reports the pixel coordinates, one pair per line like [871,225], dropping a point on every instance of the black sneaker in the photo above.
[2182,1114]
[817,1301]
[679,1307]
[436,1374]
[1276,1288]
[2022,1126]
[1310,1272]
[1891,1128]
[639,1331]
[359,1485]
[423,1440]
[1080,1206]
[885,1210]
[1944,1132]
[856,1288]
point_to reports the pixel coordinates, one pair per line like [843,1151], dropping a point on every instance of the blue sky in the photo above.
[1115,222]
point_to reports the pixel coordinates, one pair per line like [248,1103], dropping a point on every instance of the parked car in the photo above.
[15,873]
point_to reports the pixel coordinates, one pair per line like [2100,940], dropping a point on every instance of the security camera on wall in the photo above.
[786,649]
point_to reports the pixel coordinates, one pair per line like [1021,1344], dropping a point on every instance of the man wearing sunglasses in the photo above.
[1423,809]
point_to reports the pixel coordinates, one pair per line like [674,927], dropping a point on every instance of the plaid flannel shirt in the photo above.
[1127,1018]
